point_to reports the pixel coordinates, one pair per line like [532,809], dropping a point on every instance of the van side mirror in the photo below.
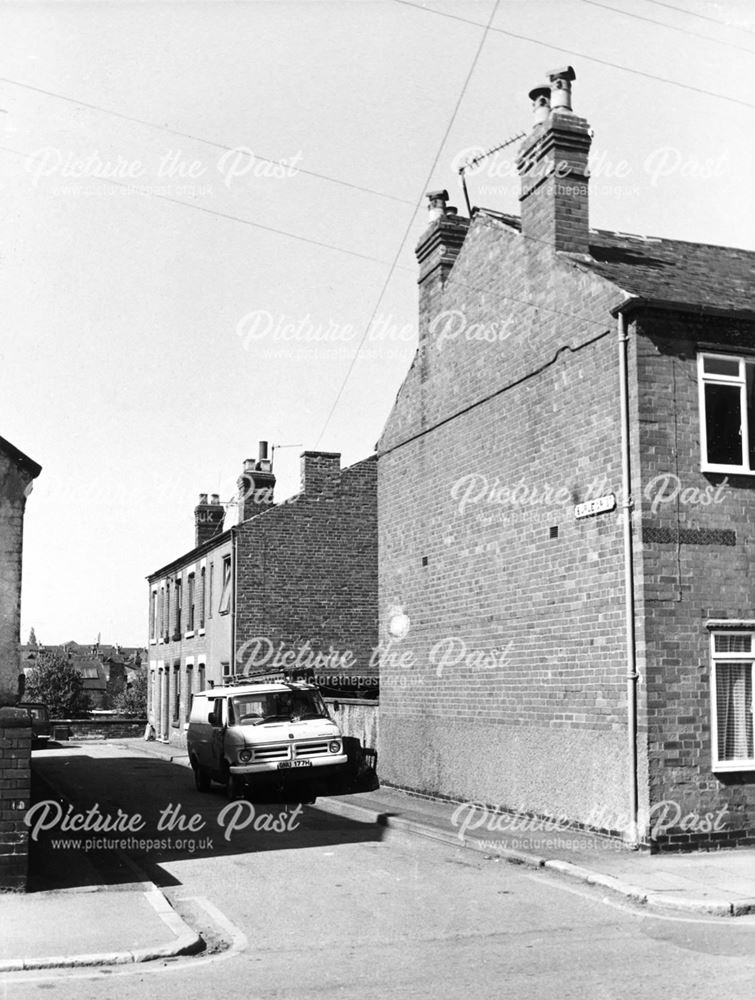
[212,719]
[336,706]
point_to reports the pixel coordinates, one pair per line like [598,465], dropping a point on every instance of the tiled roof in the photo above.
[695,274]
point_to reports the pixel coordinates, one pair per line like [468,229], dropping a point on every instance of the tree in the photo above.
[33,638]
[133,699]
[59,685]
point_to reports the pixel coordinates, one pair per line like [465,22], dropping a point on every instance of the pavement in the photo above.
[133,921]
[128,921]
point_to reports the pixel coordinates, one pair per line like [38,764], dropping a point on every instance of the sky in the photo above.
[170,296]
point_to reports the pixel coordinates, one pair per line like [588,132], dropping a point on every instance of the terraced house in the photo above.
[288,585]
[566,487]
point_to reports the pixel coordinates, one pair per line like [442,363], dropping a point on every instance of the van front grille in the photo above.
[278,751]
[312,748]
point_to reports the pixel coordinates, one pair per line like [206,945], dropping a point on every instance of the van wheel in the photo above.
[201,779]
[234,787]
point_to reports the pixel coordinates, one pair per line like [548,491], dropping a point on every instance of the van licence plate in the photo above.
[295,763]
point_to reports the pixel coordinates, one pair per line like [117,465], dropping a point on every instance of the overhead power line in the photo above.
[400,247]
[671,27]
[581,55]
[145,192]
[703,17]
[198,138]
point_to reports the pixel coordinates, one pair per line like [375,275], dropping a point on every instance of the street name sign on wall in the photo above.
[597,506]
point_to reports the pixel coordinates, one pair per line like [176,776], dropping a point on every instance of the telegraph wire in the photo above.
[671,27]
[581,55]
[198,138]
[703,17]
[410,223]
[221,215]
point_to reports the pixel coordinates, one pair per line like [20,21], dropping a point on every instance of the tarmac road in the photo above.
[313,905]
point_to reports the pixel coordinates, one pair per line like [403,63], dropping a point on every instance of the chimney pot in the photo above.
[436,204]
[208,521]
[561,81]
[541,102]
[262,454]
[215,498]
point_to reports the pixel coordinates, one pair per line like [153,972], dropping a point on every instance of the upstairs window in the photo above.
[202,584]
[727,413]
[190,602]
[733,666]
[225,596]
[178,587]
[153,616]
[212,590]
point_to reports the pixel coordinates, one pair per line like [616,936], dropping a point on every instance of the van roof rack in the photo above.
[272,677]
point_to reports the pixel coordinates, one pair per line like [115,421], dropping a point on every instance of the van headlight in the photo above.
[245,756]
[334,746]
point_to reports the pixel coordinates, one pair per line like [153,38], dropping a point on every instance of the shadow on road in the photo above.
[112,820]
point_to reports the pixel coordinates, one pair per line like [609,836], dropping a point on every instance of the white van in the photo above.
[275,732]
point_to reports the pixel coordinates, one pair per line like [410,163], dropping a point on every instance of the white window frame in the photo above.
[743,764]
[706,378]
[226,594]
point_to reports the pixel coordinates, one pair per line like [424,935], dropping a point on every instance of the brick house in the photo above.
[566,488]
[17,473]
[289,585]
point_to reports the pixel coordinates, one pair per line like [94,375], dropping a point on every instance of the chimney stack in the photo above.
[436,252]
[255,485]
[208,518]
[552,164]
[320,472]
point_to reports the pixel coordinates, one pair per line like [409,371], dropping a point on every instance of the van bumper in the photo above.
[323,767]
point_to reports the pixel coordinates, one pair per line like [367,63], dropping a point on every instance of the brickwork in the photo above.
[13,482]
[554,200]
[15,791]
[533,715]
[693,573]
[16,474]
[307,571]
[510,685]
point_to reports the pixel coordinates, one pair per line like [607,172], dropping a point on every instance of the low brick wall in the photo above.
[357,717]
[15,792]
[100,729]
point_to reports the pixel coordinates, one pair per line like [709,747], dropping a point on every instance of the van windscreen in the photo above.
[277,706]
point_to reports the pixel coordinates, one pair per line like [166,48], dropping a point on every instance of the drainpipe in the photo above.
[629,597]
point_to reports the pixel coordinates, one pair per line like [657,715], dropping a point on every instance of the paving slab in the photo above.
[111,925]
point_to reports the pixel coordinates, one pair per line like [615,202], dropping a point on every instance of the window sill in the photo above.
[224,612]
[201,631]
[727,470]
[153,642]
[188,635]
[731,765]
